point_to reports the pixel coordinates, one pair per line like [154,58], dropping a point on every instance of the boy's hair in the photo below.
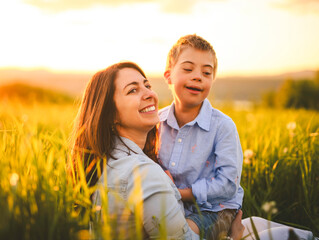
[191,40]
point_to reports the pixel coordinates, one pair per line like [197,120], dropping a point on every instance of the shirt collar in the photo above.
[203,119]
[126,147]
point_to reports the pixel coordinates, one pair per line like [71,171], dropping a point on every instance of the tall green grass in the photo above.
[281,164]
[38,199]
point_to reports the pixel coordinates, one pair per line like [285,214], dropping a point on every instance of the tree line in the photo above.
[302,93]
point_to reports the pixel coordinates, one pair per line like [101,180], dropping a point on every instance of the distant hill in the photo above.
[224,88]
[253,87]
[248,88]
[28,94]
[72,83]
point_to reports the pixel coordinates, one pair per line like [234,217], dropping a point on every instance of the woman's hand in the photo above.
[237,228]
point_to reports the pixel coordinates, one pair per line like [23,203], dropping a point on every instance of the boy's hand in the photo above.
[170,175]
[187,195]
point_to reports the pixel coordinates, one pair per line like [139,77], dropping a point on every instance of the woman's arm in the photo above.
[162,215]
[163,211]
[186,193]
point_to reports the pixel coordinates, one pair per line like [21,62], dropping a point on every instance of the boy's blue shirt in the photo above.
[206,155]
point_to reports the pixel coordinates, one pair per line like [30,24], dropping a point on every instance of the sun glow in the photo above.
[252,37]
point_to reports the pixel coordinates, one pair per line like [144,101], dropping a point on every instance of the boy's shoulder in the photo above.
[217,119]
[163,113]
[219,114]
[223,122]
[222,118]
[207,108]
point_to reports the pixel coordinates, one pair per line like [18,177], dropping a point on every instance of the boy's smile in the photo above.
[191,77]
[194,89]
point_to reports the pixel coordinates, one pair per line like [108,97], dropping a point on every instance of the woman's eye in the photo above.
[148,86]
[187,69]
[133,90]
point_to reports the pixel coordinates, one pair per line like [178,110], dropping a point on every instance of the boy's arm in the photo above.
[187,195]
[227,171]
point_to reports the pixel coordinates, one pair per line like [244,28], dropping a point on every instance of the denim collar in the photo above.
[125,147]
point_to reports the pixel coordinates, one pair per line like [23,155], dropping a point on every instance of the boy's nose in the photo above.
[197,76]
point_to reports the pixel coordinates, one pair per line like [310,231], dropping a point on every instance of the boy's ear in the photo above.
[167,76]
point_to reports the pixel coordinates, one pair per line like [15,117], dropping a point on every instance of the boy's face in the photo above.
[190,79]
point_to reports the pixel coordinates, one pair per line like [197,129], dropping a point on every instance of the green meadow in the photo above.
[38,200]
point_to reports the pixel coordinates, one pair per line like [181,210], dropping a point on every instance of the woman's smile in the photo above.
[136,104]
[148,109]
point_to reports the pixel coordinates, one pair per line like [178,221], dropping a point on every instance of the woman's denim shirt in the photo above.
[136,182]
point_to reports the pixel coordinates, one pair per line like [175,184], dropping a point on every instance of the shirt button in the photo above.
[179,140]
[173,164]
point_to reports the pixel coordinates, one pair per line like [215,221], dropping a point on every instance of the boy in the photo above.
[199,145]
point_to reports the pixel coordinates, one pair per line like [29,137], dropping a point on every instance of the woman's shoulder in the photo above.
[147,169]
[131,161]
[136,164]
[139,171]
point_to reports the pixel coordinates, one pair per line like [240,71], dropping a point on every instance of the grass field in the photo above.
[280,172]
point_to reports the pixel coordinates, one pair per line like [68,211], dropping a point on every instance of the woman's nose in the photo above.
[148,93]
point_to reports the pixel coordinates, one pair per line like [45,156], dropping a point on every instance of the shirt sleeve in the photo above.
[161,210]
[227,170]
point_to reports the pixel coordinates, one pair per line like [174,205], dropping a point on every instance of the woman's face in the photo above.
[136,104]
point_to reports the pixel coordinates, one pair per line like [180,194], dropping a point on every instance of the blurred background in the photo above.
[60,44]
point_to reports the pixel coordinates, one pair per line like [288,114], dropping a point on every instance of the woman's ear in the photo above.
[116,119]
[167,76]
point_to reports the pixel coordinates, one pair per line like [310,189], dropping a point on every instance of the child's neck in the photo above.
[184,114]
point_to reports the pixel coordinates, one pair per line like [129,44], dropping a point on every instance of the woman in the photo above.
[117,121]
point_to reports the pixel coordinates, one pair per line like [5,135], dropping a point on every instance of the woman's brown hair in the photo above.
[94,132]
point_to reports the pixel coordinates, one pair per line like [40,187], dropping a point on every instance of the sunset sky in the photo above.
[249,36]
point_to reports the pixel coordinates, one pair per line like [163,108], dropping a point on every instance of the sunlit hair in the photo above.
[191,40]
[94,132]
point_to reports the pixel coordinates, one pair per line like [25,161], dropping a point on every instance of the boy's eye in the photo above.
[207,73]
[148,86]
[187,69]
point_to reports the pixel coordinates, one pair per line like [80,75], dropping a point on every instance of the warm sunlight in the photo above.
[256,37]
[92,148]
